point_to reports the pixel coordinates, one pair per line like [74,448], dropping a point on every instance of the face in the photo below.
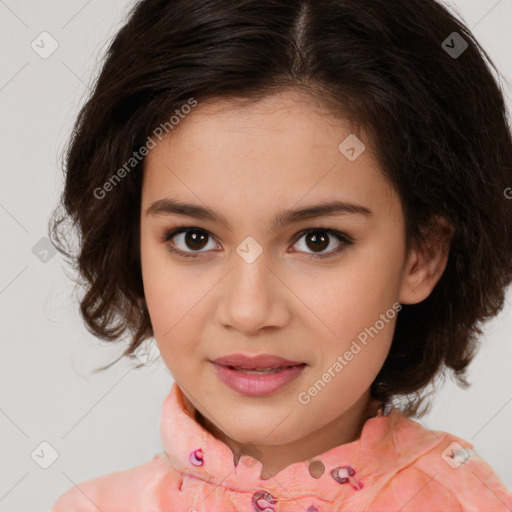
[240,284]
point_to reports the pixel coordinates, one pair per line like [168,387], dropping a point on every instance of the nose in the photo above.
[253,297]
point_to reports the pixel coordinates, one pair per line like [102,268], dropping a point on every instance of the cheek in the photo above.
[173,297]
[354,294]
[160,288]
[353,311]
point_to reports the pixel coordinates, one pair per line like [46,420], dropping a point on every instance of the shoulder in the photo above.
[458,467]
[437,470]
[120,490]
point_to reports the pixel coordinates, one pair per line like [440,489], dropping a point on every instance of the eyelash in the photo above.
[342,237]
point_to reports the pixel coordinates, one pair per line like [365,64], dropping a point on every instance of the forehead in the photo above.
[279,151]
[280,122]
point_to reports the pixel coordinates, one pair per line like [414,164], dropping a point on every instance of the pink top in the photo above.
[396,465]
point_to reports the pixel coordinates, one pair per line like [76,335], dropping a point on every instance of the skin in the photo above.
[248,163]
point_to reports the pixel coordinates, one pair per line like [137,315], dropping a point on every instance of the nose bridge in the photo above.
[250,298]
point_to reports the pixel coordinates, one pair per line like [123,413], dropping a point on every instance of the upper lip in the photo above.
[257,361]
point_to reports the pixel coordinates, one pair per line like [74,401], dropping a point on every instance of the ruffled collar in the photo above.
[194,451]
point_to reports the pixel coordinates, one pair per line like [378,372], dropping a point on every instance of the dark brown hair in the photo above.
[437,123]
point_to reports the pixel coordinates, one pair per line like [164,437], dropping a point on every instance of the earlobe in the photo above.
[426,262]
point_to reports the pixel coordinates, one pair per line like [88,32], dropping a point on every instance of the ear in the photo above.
[426,262]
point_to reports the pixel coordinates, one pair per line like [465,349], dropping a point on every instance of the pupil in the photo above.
[319,242]
[192,237]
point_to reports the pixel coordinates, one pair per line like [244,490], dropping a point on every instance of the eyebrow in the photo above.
[169,206]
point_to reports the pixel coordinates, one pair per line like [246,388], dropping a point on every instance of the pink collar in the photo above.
[192,450]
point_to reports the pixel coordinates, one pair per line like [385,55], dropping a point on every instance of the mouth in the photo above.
[258,381]
[260,362]
[263,371]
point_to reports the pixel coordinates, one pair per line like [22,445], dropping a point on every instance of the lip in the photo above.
[255,361]
[254,384]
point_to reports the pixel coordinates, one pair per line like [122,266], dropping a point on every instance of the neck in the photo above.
[344,429]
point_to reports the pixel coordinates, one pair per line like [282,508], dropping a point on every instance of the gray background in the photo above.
[100,423]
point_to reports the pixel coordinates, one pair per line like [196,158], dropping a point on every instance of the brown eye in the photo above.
[191,242]
[195,240]
[317,240]
[187,241]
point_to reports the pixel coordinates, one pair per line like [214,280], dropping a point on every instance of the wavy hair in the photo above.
[437,123]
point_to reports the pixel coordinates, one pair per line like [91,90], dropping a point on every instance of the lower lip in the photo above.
[251,384]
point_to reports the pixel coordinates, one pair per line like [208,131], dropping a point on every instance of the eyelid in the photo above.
[344,239]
